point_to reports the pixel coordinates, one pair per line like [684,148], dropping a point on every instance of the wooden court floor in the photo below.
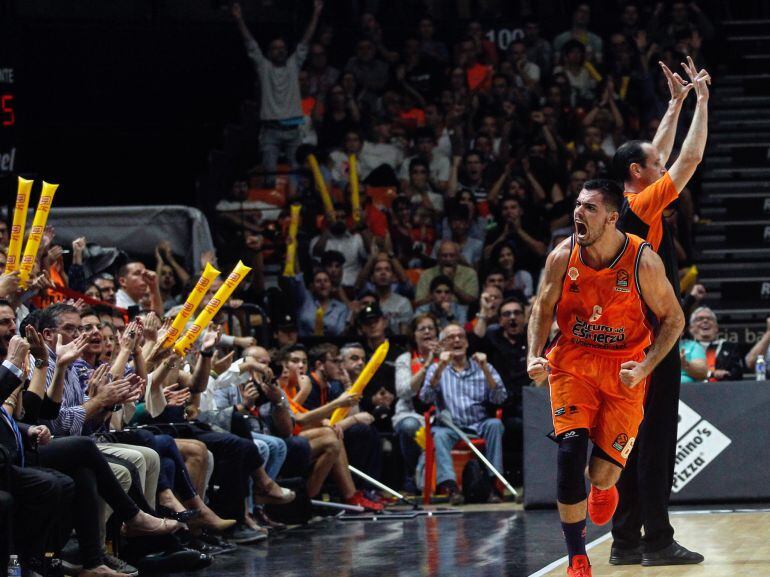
[735,544]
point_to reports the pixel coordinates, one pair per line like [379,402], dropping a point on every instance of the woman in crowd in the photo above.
[410,374]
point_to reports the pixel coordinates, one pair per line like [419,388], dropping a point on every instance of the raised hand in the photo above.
[135,389]
[129,337]
[9,284]
[481,359]
[98,377]
[677,86]
[211,338]
[151,278]
[79,245]
[112,393]
[36,343]
[69,353]
[176,396]
[151,326]
[18,351]
[694,73]
[219,364]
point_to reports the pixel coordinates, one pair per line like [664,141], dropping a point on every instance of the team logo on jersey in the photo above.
[621,282]
[589,333]
[573,273]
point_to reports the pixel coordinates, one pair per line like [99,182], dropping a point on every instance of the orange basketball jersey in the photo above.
[603,310]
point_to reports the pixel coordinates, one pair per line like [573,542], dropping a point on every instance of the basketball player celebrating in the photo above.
[601,284]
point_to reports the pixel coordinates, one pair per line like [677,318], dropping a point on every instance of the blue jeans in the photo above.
[273,142]
[405,430]
[273,452]
[444,438]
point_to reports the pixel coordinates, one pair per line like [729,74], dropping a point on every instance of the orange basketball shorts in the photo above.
[586,393]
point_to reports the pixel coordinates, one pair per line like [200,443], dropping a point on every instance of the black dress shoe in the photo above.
[173,561]
[215,540]
[182,516]
[625,556]
[674,554]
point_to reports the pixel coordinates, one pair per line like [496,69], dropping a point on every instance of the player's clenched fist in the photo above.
[632,373]
[537,369]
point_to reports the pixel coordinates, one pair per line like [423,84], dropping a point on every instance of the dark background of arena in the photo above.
[122,102]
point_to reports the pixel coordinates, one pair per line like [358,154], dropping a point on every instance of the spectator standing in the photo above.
[280,100]
[581,18]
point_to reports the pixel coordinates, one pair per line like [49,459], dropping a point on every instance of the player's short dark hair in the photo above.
[627,154]
[612,192]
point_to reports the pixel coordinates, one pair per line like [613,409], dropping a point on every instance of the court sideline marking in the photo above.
[551,566]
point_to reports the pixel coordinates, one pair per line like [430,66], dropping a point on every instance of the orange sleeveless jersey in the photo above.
[603,310]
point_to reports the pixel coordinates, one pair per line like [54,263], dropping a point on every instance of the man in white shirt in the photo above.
[135,281]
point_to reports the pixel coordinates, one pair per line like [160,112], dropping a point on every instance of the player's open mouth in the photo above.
[580,228]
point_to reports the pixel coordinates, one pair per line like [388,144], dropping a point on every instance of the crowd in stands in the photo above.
[470,156]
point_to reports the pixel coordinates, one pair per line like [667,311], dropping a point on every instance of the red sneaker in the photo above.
[359,499]
[580,567]
[602,504]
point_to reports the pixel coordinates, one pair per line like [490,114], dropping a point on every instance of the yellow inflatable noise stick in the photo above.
[320,185]
[36,232]
[688,280]
[191,304]
[183,345]
[291,242]
[363,379]
[19,224]
[355,188]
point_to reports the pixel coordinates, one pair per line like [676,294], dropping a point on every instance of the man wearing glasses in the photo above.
[464,387]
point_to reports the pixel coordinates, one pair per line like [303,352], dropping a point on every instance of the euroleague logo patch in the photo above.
[624,445]
[621,282]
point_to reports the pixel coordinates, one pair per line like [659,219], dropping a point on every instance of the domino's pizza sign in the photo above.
[698,444]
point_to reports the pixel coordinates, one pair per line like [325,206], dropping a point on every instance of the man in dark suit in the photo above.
[40,496]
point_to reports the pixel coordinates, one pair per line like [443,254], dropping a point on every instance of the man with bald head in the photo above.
[466,282]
